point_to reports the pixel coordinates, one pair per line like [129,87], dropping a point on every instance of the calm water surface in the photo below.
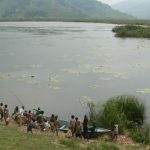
[59,66]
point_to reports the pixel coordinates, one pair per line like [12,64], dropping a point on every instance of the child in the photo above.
[115,132]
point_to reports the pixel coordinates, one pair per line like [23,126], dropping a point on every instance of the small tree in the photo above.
[92,111]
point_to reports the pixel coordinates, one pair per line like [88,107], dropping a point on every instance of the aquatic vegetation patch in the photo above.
[33,66]
[132,31]
[136,66]
[4,76]
[92,68]
[140,66]
[53,82]
[75,71]
[106,78]
[144,91]
[29,79]
[95,86]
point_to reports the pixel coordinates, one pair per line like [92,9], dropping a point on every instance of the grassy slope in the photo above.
[12,139]
[15,139]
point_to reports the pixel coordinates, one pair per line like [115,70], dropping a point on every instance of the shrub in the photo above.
[131,107]
[141,135]
[125,110]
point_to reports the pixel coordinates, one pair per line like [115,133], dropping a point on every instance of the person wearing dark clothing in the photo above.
[56,124]
[6,115]
[52,123]
[85,127]
[1,111]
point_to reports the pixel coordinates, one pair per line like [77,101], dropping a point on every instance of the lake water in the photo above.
[59,66]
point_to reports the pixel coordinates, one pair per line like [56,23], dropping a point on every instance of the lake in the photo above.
[59,66]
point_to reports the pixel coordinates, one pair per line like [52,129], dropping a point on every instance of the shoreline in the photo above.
[107,21]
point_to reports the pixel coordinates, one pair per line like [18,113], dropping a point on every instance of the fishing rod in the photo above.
[17,98]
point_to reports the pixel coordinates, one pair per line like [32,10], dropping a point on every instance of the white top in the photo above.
[21,111]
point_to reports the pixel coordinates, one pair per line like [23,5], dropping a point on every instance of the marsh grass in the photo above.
[132,31]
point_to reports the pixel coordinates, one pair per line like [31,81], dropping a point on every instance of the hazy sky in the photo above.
[110,2]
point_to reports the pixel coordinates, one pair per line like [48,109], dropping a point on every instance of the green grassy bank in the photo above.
[15,139]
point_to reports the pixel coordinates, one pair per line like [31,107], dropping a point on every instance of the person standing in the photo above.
[72,125]
[29,122]
[6,115]
[42,119]
[56,123]
[78,128]
[52,123]
[21,111]
[1,112]
[15,115]
[85,127]
[116,132]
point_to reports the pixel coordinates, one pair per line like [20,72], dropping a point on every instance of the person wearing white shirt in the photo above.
[21,111]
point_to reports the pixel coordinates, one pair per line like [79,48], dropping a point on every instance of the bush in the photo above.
[137,136]
[141,135]
[125,110]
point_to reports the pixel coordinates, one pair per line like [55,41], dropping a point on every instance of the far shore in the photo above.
[108,21]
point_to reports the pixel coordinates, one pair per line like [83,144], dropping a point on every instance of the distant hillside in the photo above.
[58,10]
[138,8]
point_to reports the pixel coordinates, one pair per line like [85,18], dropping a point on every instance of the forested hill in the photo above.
[57,10]
[138,8]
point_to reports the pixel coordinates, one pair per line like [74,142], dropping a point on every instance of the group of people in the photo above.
[38,120]
[76,127]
